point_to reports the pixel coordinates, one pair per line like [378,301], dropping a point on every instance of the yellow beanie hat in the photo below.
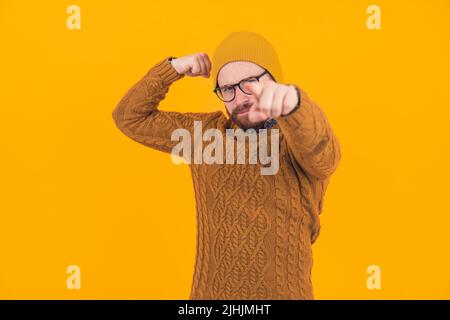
[246,46]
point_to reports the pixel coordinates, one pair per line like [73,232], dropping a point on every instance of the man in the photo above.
[254,231]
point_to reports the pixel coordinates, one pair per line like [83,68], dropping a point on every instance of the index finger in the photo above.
[254,88]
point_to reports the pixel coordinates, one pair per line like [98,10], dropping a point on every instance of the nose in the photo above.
[241,97]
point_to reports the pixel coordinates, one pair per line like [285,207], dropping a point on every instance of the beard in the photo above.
[240,118]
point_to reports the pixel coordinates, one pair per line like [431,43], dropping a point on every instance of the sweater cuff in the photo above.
[166,72]
[295,118]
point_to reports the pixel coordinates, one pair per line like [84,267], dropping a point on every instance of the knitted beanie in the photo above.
[246,46]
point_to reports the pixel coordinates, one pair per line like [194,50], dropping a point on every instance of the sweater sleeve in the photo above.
[138,117]
[310,138]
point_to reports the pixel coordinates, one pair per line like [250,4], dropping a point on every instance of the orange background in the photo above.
[74,190]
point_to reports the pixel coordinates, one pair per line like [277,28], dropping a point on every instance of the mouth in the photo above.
[243,113]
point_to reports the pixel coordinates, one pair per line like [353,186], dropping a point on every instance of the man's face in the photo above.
[237,109]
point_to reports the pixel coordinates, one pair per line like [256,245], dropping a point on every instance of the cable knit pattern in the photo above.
[254,232]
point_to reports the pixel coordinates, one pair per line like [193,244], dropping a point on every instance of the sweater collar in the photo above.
[269,123]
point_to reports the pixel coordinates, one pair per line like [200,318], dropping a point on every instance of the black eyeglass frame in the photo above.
[217,88]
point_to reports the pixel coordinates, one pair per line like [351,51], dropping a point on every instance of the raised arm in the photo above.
[137,114]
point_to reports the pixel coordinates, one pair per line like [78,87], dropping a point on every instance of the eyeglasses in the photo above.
[228,92]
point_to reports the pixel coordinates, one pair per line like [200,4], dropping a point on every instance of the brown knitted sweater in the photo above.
[254,231]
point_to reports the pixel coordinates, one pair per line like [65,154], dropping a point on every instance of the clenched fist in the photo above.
[274,99]
[193,65]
